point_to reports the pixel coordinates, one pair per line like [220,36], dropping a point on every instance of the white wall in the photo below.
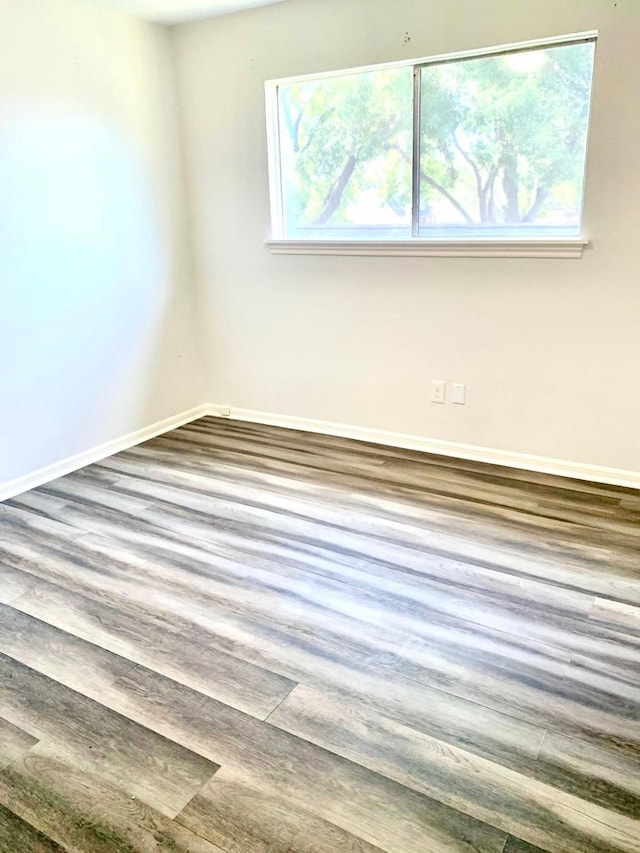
[96,318]
[549,349]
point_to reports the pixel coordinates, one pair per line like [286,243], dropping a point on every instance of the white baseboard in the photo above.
[559,467]
[72,463]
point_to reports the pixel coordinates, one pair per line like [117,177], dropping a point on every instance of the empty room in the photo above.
[320,444]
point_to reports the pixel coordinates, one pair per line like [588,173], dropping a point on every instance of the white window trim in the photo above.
[559,248]
[479,52]
[415,247]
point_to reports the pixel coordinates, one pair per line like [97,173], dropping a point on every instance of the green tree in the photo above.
[499,133]
[498,137]
[343,135]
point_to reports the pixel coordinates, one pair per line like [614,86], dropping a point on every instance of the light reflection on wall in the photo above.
[84,278]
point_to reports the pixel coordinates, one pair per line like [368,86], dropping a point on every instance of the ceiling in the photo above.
[175,11]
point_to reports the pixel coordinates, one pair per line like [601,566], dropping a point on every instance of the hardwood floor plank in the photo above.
[138,590]
[43,499]
[327,470]
[238,812]
[540,690]
[553,484]
[13,584]
[310,779]
[83,814]
[615,520]
[461,734]
[516,845]
[571,636]
[386,579]
[413,703]
[428,591]
[445,718]
[161,773]
[137,638]
[620,614]
[269,501]
[570,488]
[14,742]
[600,770]
[85,668]
[52,607]
[548,561]
[382,590]
[33,525]
[447,652]
[443,481]
[515,802]
[17,835]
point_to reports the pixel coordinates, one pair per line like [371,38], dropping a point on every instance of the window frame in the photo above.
[546,247]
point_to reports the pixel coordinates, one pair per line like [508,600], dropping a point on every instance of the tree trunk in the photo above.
[334,196]
[429,180]
[491,205]
[482,205]
[488,207]
[481,192]
[447,195]
[510,186]
[534,210]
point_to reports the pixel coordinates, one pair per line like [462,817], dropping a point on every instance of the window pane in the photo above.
[502,144]
[345,156]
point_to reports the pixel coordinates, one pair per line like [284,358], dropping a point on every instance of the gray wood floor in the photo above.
[252,640]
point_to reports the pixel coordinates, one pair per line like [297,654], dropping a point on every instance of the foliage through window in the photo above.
[489,146]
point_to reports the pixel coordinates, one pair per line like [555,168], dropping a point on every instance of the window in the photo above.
[485,147]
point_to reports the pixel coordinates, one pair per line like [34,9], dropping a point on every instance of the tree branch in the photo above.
[292,127]
[510,185]
[539,200]
[470,161]
[334,196]
[296,131]
[482,190]
[315,127]
[436,185]
[493,174]
[491,200]
[447,195]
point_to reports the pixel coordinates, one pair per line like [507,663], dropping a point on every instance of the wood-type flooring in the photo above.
[238,638]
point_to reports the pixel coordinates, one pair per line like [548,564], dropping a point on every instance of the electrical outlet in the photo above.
[458,393]
[438,390]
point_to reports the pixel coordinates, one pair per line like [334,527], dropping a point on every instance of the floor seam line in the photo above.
[297,684]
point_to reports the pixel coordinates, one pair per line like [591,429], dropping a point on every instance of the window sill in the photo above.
[558,248]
